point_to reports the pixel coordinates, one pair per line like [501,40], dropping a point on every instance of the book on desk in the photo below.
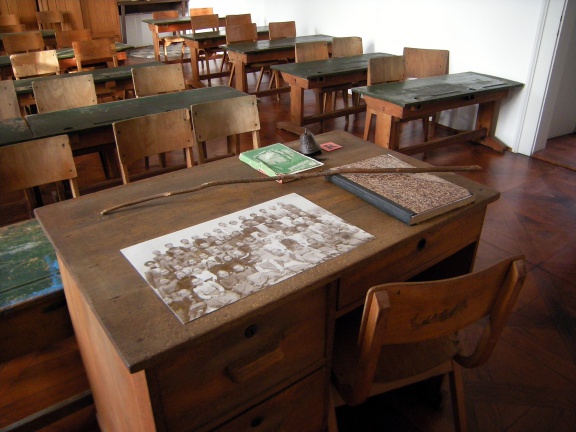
[278,159]
[411,198]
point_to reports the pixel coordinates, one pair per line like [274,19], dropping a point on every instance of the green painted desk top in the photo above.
[95,116]
[14,130]
[275,44]
[220,34]
[27,263]
[434,89]
[64,53]
[24,86]
[316,70]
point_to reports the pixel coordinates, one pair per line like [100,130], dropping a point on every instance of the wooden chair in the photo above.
[406,333]
[38,162]
[33,64]
[279,30]
[201,11]
[15,43]
[12,28]
[346,47]
[165,40]
[152,80]
[383,70]
[225,118]
[145,136]
[238,19]
[50,20]
[64,93]
[311,51]
[208,22]
[9,107]
[95,52]
[9,19]
[240,33]
[423,63]
[64,38]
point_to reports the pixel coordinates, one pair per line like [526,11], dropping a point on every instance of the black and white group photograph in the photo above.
[200,269]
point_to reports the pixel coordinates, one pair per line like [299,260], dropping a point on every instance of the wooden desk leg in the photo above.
[196,83]
[385,133]
[156,44]
[486,118]
[296,111]
[240,81]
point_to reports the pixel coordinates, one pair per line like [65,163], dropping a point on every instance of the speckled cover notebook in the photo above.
[412,198]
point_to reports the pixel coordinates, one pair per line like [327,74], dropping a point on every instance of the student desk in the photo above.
[65,58]
[90,128]
[419,98]
[14,130]
[242,54]
[210,39]
[149,372]
[119,78]
[147,6]
[322,74]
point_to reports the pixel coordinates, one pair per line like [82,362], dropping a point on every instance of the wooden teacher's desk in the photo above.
[65,58]
[242,54]
[262,361]
[206,40]
[322,74]
[419,98]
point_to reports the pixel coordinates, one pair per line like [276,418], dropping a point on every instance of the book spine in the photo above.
[379,202]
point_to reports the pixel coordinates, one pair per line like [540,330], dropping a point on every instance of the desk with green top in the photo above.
[414,99]
[206,40]
[243,54]
[119,78]
[342,72]
[260,361]
[65,58]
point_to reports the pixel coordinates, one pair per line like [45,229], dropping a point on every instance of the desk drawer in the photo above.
[300,407]
[405,260]
[218,378]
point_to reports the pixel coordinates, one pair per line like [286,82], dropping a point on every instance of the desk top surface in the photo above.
[65,53]
[334,66]
[438,88]
[104,114]
[217,35]
[24,86]
[167,21]
[145,331]
[14,130]
[275,44]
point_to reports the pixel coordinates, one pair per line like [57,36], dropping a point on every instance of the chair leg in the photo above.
[332,420]
[367,123]
[231,76]
[457,395]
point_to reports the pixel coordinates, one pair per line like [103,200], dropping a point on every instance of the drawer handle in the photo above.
[255,364]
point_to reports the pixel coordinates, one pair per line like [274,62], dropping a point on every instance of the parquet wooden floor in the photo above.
[529,383]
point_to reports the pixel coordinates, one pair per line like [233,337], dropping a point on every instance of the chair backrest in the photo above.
[27,41]
[64,92]
[238,19]
[224,118]
[386,69]
[95,51]
[34,163]
[204,22]
[151,80]
[422,63]
[282,29]
[64,38]
[410,312]
[150,135]
[50,20]
[34,64]
[347,46]
[310,51]
[241,33]
[12,28]
[201,11]
[9,107]
[165,14]
[9,19]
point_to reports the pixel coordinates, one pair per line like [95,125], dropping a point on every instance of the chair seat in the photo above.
[172,39]
[396,362]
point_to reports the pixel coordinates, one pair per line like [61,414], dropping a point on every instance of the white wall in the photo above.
[496,37]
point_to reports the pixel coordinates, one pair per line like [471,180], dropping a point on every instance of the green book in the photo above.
[278,159]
